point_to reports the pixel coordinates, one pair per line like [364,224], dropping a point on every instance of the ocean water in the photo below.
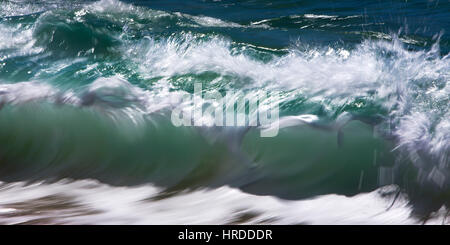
[87,90]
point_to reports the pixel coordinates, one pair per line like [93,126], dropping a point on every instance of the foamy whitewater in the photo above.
[87,89]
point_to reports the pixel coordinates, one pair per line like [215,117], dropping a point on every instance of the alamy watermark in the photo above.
[233,109]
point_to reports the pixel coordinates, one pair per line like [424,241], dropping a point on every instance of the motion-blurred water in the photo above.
[87,89]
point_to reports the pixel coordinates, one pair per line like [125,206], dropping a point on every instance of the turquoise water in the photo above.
[87,89]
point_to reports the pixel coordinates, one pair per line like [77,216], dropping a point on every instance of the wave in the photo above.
[86,92]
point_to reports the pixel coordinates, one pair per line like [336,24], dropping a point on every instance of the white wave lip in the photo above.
[320,16]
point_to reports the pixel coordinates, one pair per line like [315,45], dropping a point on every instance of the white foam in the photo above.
[332,71]
[90,202]
[12,8]
[319,16]
[18,40]
[25,91]
[330,75]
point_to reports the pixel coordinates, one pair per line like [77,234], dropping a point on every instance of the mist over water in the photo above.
[87,89]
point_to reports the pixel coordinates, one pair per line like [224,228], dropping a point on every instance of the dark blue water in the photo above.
[353,21]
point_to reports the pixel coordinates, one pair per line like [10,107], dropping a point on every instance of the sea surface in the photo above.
[88,90]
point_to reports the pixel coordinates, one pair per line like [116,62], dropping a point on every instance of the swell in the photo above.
[44,142]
